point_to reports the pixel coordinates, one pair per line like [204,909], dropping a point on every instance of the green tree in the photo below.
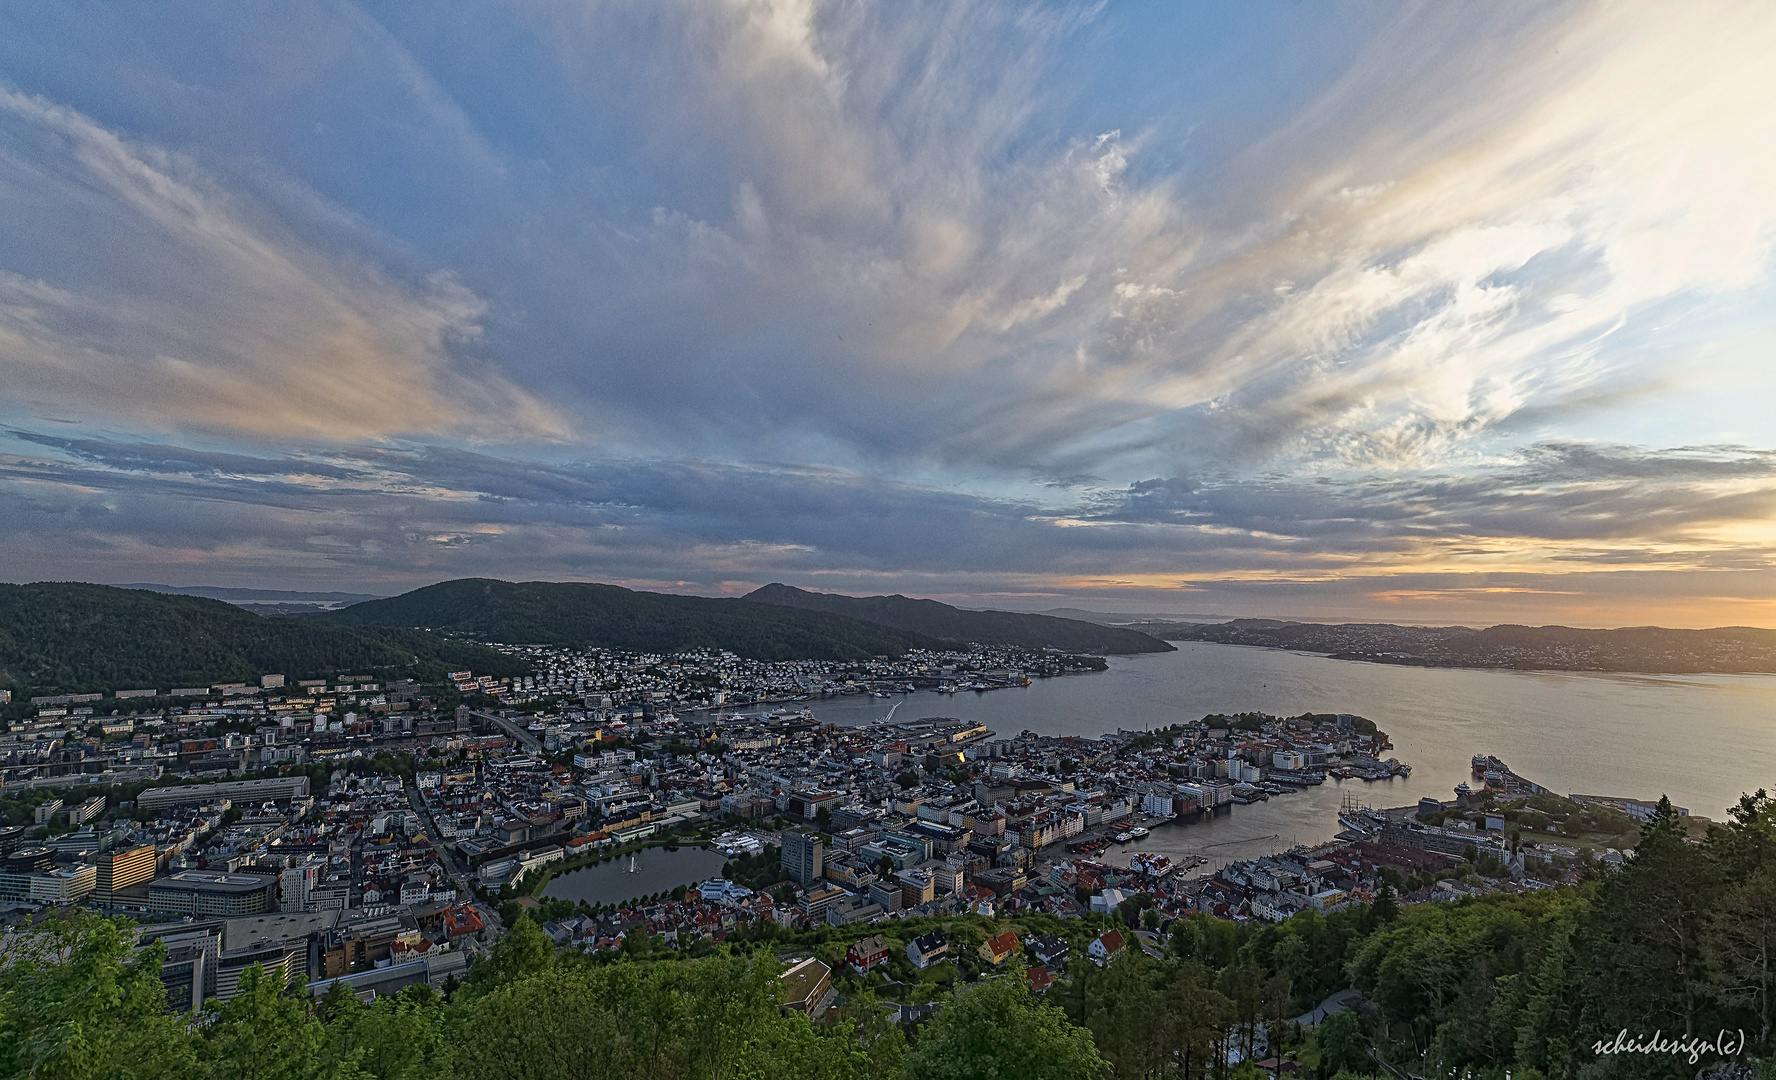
[522,950]
[1644,940]
[263,1033]
[546,1025]
[1739,935]
[1243,984]
[999,1031]
[1123,1013]
[1195,1021]
[399,1037]
[76,1004]
[1342,1045]
[1210,940]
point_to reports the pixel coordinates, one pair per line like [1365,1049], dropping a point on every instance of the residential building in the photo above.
[927,949]
[1105,946]
[816,900]
[866,953]
[999,948]
[1049,950]
[84,812]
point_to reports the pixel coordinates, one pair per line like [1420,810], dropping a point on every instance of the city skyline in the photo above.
[1415,313]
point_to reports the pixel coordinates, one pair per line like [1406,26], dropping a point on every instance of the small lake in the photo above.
[656,870]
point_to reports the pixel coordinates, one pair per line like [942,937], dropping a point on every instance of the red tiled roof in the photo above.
[1002,944]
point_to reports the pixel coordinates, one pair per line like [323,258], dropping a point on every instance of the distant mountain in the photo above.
[259,599]
[72,637]
[960,625]
[1125,618]
[608,616]
[1649,649]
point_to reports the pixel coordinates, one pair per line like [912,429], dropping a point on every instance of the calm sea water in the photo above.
[1702,740]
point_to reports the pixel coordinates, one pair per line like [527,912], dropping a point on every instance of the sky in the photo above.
[1442,313]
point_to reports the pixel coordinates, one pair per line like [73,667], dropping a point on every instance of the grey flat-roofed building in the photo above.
[277,787]
[211,893]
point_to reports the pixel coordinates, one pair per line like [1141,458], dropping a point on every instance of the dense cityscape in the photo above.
[384,835]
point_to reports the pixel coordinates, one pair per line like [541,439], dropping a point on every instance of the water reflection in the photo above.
[648,871]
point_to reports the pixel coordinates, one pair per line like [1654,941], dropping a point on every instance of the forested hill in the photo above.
[960,625]
[1651,649]
[70,637]
[607,616]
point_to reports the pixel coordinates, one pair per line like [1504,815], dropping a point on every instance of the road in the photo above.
[516,731]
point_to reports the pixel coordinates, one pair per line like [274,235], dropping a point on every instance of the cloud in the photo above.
[138,290]
[896,296]
[408,515]
[1455,232]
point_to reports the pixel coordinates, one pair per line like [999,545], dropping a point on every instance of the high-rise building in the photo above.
[803,857]
[120,869]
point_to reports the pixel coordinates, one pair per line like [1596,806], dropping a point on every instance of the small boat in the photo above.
[1123,838]
[1138,832]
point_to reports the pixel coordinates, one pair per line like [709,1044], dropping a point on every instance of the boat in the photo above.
[1138,832]
[1123,838]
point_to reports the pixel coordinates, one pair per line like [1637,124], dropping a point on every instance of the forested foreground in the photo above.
[1676,942]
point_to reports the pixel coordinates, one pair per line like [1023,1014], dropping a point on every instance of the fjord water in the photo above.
[1701,739]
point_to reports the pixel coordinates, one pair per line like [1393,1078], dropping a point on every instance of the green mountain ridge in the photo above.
[71,637]
[1651,649]
[961,625]
[582,614]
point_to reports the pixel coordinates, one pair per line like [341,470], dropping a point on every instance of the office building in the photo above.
[208,893]
[118,870]
[277,787]
[803,857]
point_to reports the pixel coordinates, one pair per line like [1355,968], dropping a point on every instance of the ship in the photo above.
[1347,815]
[1138,832]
